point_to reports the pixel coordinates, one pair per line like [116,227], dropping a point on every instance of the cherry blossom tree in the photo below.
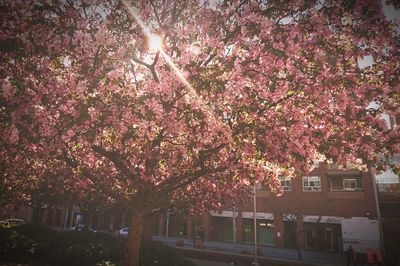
[239,92]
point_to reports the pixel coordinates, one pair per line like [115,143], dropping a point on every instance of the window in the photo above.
[286,183]
[265,232]
[329,239]
[311,183]
[345,183]
[311,239]
[221,228]
[350,184]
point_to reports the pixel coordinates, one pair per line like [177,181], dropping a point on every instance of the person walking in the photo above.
[370,257]
[351,256]
[379,257]
[201,234]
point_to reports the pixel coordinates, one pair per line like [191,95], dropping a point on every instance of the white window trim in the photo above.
[313,188]
[356,188]
[287,183]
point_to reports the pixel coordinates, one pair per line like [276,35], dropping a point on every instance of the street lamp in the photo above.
[167,226]
[255,263]
[378,210]
[234,226]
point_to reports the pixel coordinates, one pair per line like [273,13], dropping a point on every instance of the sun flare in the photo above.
[155,42]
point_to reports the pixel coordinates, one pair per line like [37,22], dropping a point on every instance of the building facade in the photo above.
[328,210]
[388,184]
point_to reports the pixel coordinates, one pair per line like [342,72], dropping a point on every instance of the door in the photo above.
[329,239]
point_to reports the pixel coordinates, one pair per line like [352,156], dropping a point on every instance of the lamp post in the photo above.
[234,227]
[65,218]
[378,210]
[255,263]
[167,226]
[72,216]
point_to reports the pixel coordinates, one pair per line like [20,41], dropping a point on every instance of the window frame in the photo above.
[348,183]
[311,187]
[286,183]
[353,182]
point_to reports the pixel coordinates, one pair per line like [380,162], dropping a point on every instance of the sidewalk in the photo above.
[314,257]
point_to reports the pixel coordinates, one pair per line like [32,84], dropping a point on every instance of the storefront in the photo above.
[322,236]
[221,228]
[265,231]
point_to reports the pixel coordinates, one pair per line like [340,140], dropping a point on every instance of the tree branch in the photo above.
[74,164]
[183,180]
[193,177]
[115,158]
[151,67]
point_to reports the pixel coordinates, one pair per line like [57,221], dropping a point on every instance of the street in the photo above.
[200,262]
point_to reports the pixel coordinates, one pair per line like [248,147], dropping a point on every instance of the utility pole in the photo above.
[167,227]
[66,218]
[378,210]
[255,263]
[234,226]
[72,216]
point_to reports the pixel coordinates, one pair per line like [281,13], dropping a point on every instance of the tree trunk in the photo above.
[134,240]
[146,228]
[298,252]
[296,235]
[37,214]
[298,246]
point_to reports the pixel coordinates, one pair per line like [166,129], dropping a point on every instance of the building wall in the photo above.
[389,201]
[342,217]
[350,216]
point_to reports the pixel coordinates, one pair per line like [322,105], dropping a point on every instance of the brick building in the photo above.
[326,211]
[389,204]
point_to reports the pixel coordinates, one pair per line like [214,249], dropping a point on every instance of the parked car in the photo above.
[83,227]
[15,222]
[123,232]
[5,224]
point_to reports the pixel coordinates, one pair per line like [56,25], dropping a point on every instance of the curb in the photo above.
[229,257]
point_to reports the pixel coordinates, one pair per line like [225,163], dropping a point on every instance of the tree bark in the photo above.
[299,257]
[37,214]
[146,228]
[134,240]
[298,252]
[296,238]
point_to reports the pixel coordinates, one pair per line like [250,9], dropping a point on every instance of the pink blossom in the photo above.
[14,135]
[8,90]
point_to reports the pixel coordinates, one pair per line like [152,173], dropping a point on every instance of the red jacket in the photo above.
[370,256]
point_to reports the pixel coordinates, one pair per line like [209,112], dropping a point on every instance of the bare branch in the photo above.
[151,67]
[115,158]
[193,177]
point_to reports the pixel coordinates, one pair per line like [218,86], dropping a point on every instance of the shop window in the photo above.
[177,226]
[311,239]
[221,228]
[264,231]
[322,237]
[329,239]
